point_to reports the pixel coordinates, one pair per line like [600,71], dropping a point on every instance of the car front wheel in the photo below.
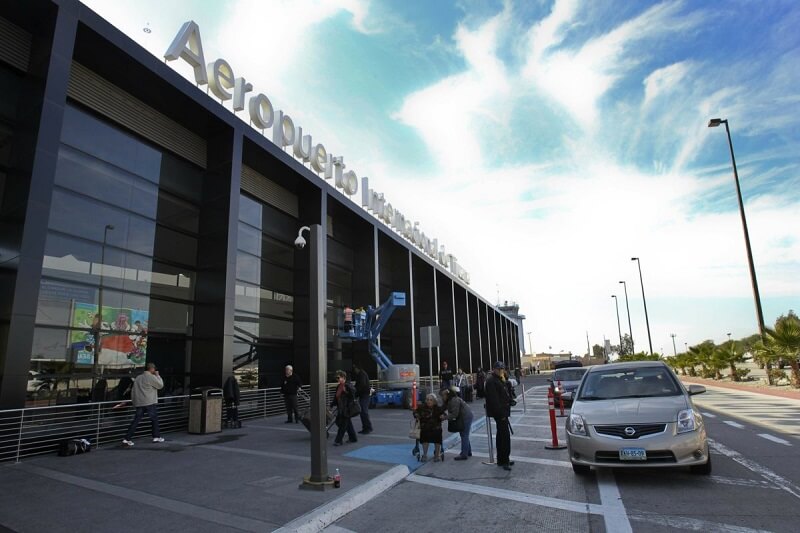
[581,470]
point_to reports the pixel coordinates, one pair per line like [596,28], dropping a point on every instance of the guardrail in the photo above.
[38,430]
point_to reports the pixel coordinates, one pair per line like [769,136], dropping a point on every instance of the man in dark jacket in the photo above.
[362,392]
[291,382]
[498,406]
[446,376]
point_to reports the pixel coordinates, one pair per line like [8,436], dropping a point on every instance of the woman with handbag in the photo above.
[345,404]
[459,420]
[430,417]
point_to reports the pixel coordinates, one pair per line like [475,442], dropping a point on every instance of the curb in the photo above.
[327,514]
[790,394]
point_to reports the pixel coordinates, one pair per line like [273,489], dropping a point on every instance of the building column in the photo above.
[40,132]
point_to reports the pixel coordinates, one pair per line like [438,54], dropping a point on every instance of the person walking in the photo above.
[518,375]
[460,415]
[460,380]
[291,382]
[498,406]
[430,416]
[343,400]
[480,382]
[144,397]
[363,388]
[445,376]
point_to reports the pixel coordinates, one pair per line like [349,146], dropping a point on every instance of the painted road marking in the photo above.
[691,524]
[741,482]
[615,517]
[763,471]
[544,501]
[532,460]
[709,415]
[774,439]
[733,424]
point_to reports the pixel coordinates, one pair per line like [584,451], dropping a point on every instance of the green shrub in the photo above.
[777,374]
[741,374]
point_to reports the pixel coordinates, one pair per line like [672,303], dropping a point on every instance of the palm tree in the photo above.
[726,354]
[786,338]
[704,356]
[767,353]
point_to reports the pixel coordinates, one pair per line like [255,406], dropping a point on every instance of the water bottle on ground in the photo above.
[337,479]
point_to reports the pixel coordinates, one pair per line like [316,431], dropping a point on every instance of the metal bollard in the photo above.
[524,409]
[552,408]
[491,460]
[561,399]
[414,395]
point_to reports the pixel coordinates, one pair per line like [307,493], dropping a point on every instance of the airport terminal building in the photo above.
[141,220]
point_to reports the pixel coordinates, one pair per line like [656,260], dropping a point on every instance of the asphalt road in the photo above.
[755,484]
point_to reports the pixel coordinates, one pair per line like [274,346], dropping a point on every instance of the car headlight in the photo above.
[576,425]
[687,421]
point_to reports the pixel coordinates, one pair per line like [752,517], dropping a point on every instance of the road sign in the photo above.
[429,337]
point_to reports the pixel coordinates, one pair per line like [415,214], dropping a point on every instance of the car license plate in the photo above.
[632,454]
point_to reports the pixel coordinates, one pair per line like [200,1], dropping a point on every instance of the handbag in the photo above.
[457,425]
[353,408]
[414,431]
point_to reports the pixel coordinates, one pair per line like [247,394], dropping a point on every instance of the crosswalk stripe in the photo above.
[774,439]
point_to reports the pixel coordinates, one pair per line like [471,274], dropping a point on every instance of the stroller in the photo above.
[230,393]
[305,414]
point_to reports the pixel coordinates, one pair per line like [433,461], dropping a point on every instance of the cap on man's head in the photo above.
[500,364]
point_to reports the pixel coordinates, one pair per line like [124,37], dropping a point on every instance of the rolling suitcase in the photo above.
[468,393]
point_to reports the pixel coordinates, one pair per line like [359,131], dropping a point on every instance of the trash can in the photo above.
[205,411]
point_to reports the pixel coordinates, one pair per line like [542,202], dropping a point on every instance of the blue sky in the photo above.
[547,142]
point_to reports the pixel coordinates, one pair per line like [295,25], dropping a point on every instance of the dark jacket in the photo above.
[343,401]
[429,417]
[362,384]
[446,375]
[230,391]
[498,401]
[290,385]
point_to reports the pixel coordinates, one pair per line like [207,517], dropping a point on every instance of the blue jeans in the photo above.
[152,413]
[366,423]
[466,447]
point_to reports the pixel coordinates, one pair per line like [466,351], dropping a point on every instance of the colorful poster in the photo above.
[122,332]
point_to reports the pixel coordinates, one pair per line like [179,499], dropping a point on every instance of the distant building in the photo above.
[512,311]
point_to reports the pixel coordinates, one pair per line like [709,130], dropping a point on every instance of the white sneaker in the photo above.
[127,442]
[157,439]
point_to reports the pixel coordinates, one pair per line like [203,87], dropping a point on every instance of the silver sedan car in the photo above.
[636,414]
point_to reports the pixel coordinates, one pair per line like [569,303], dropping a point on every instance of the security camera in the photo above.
[300,242]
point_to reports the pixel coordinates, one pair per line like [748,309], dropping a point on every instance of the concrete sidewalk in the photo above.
[239,480]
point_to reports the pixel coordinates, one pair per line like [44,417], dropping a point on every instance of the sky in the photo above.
[545,143]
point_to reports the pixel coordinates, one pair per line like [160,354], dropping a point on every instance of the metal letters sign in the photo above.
[429,337]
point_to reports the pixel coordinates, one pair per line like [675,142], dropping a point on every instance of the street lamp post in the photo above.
[319,357]
[530,344]
[96,332]
[713,123]
[674,350]
[628,309]
[619,328]
[644,301]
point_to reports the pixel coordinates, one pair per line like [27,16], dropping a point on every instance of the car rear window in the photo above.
[569,374]
[642,382]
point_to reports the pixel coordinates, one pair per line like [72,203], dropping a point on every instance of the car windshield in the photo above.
[569,374]
[642,382]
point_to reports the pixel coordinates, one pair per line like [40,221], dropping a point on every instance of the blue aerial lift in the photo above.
[367,325]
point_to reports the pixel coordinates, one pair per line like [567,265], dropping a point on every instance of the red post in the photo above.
[552,408]
[560,398]
[414,395]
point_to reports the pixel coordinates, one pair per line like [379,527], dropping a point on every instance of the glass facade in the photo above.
[119,266]
[264,320]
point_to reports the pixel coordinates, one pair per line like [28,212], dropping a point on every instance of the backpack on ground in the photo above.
[69,447]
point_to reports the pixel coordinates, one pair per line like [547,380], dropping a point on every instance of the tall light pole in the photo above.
[628,309]
[96,360]
[530,344]
[713,123]
[619,328]
[319,356]
[644,301]
[674,350]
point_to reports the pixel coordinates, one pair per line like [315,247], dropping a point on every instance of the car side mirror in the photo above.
[696,389]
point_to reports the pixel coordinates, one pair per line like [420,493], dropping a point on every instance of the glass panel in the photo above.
[169,317]
[177,213]
[175,247]
[250,211]
[250,239]
[263,328]
[248,268]
[255,299]
[83,217]
[88,134]
[85,174]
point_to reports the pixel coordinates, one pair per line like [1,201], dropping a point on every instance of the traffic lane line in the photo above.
[615,516]
[691,524]
[757,468]
[734,424]
[774,439]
